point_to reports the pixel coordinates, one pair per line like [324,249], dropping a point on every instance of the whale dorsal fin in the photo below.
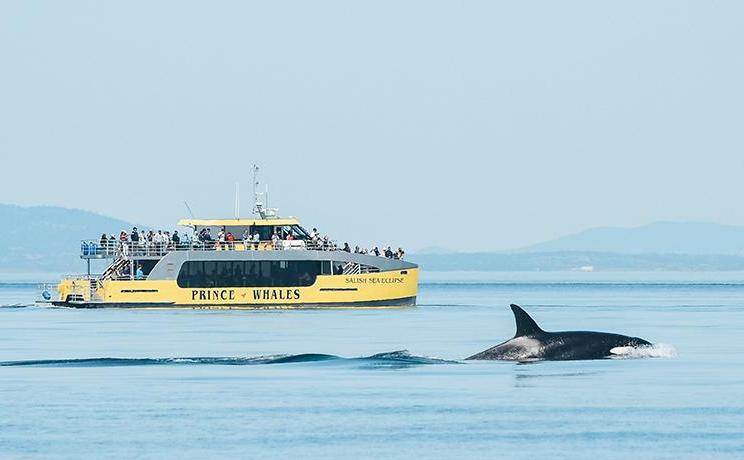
[525,324]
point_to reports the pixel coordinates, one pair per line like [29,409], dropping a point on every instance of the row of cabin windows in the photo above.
[265,273]
[264,231]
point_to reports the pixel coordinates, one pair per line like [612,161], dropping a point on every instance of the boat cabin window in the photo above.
[266,231]
[296,231]
[239,273]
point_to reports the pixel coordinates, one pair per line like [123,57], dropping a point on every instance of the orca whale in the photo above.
[531,343]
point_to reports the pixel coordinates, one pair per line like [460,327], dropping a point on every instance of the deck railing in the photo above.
[91,249]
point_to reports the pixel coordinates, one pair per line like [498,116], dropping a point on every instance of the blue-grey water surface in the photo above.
[332,384]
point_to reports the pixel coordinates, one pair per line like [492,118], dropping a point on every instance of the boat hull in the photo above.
[369,290]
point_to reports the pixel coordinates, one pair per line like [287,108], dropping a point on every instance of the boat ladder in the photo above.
[352,268]
[113,269]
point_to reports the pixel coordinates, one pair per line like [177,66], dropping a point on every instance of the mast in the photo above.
[257,205]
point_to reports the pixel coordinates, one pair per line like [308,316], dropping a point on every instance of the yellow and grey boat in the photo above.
[236,274]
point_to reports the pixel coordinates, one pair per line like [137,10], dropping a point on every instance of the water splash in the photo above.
[657,350]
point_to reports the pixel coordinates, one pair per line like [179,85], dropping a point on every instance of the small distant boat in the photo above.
[586,268]
[295,271]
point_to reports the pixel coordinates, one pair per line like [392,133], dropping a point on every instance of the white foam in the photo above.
[657,350]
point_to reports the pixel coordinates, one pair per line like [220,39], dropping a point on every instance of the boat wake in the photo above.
[394,359]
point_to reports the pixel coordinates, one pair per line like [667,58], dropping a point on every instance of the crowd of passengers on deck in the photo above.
[151,243]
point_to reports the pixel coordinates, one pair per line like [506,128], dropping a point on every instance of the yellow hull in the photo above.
[384,289]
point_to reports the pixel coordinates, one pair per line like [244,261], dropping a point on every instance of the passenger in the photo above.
[221,235]
[124,241]
[289,236]
[326,245]
[104,243]
[357,250]
[389,253]
[399,254]
[134,237]
[139,274]
[347,248]
[140,245]
[167,241]
[275,241]
[159,240]
[199,240]
[375,251]
[247,239]
[256,240]
[176,240]
[185,240]
[314,234]
[230,238]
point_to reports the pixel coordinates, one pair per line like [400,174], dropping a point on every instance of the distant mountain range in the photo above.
[656,238]
[693,246]
[47,239]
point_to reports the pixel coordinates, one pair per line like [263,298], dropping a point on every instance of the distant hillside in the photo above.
[47,238]
[569,261]
[656,238]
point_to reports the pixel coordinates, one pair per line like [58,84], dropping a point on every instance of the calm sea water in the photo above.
[196,384]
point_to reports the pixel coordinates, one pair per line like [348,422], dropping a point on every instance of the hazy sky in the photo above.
[471,125]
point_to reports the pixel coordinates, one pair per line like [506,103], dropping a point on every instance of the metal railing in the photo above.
[83,276]
[113,249]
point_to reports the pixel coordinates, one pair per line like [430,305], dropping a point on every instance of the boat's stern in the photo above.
[73,290]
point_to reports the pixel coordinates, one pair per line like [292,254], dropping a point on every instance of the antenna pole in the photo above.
[189,209]
[256,202]
[237,200]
